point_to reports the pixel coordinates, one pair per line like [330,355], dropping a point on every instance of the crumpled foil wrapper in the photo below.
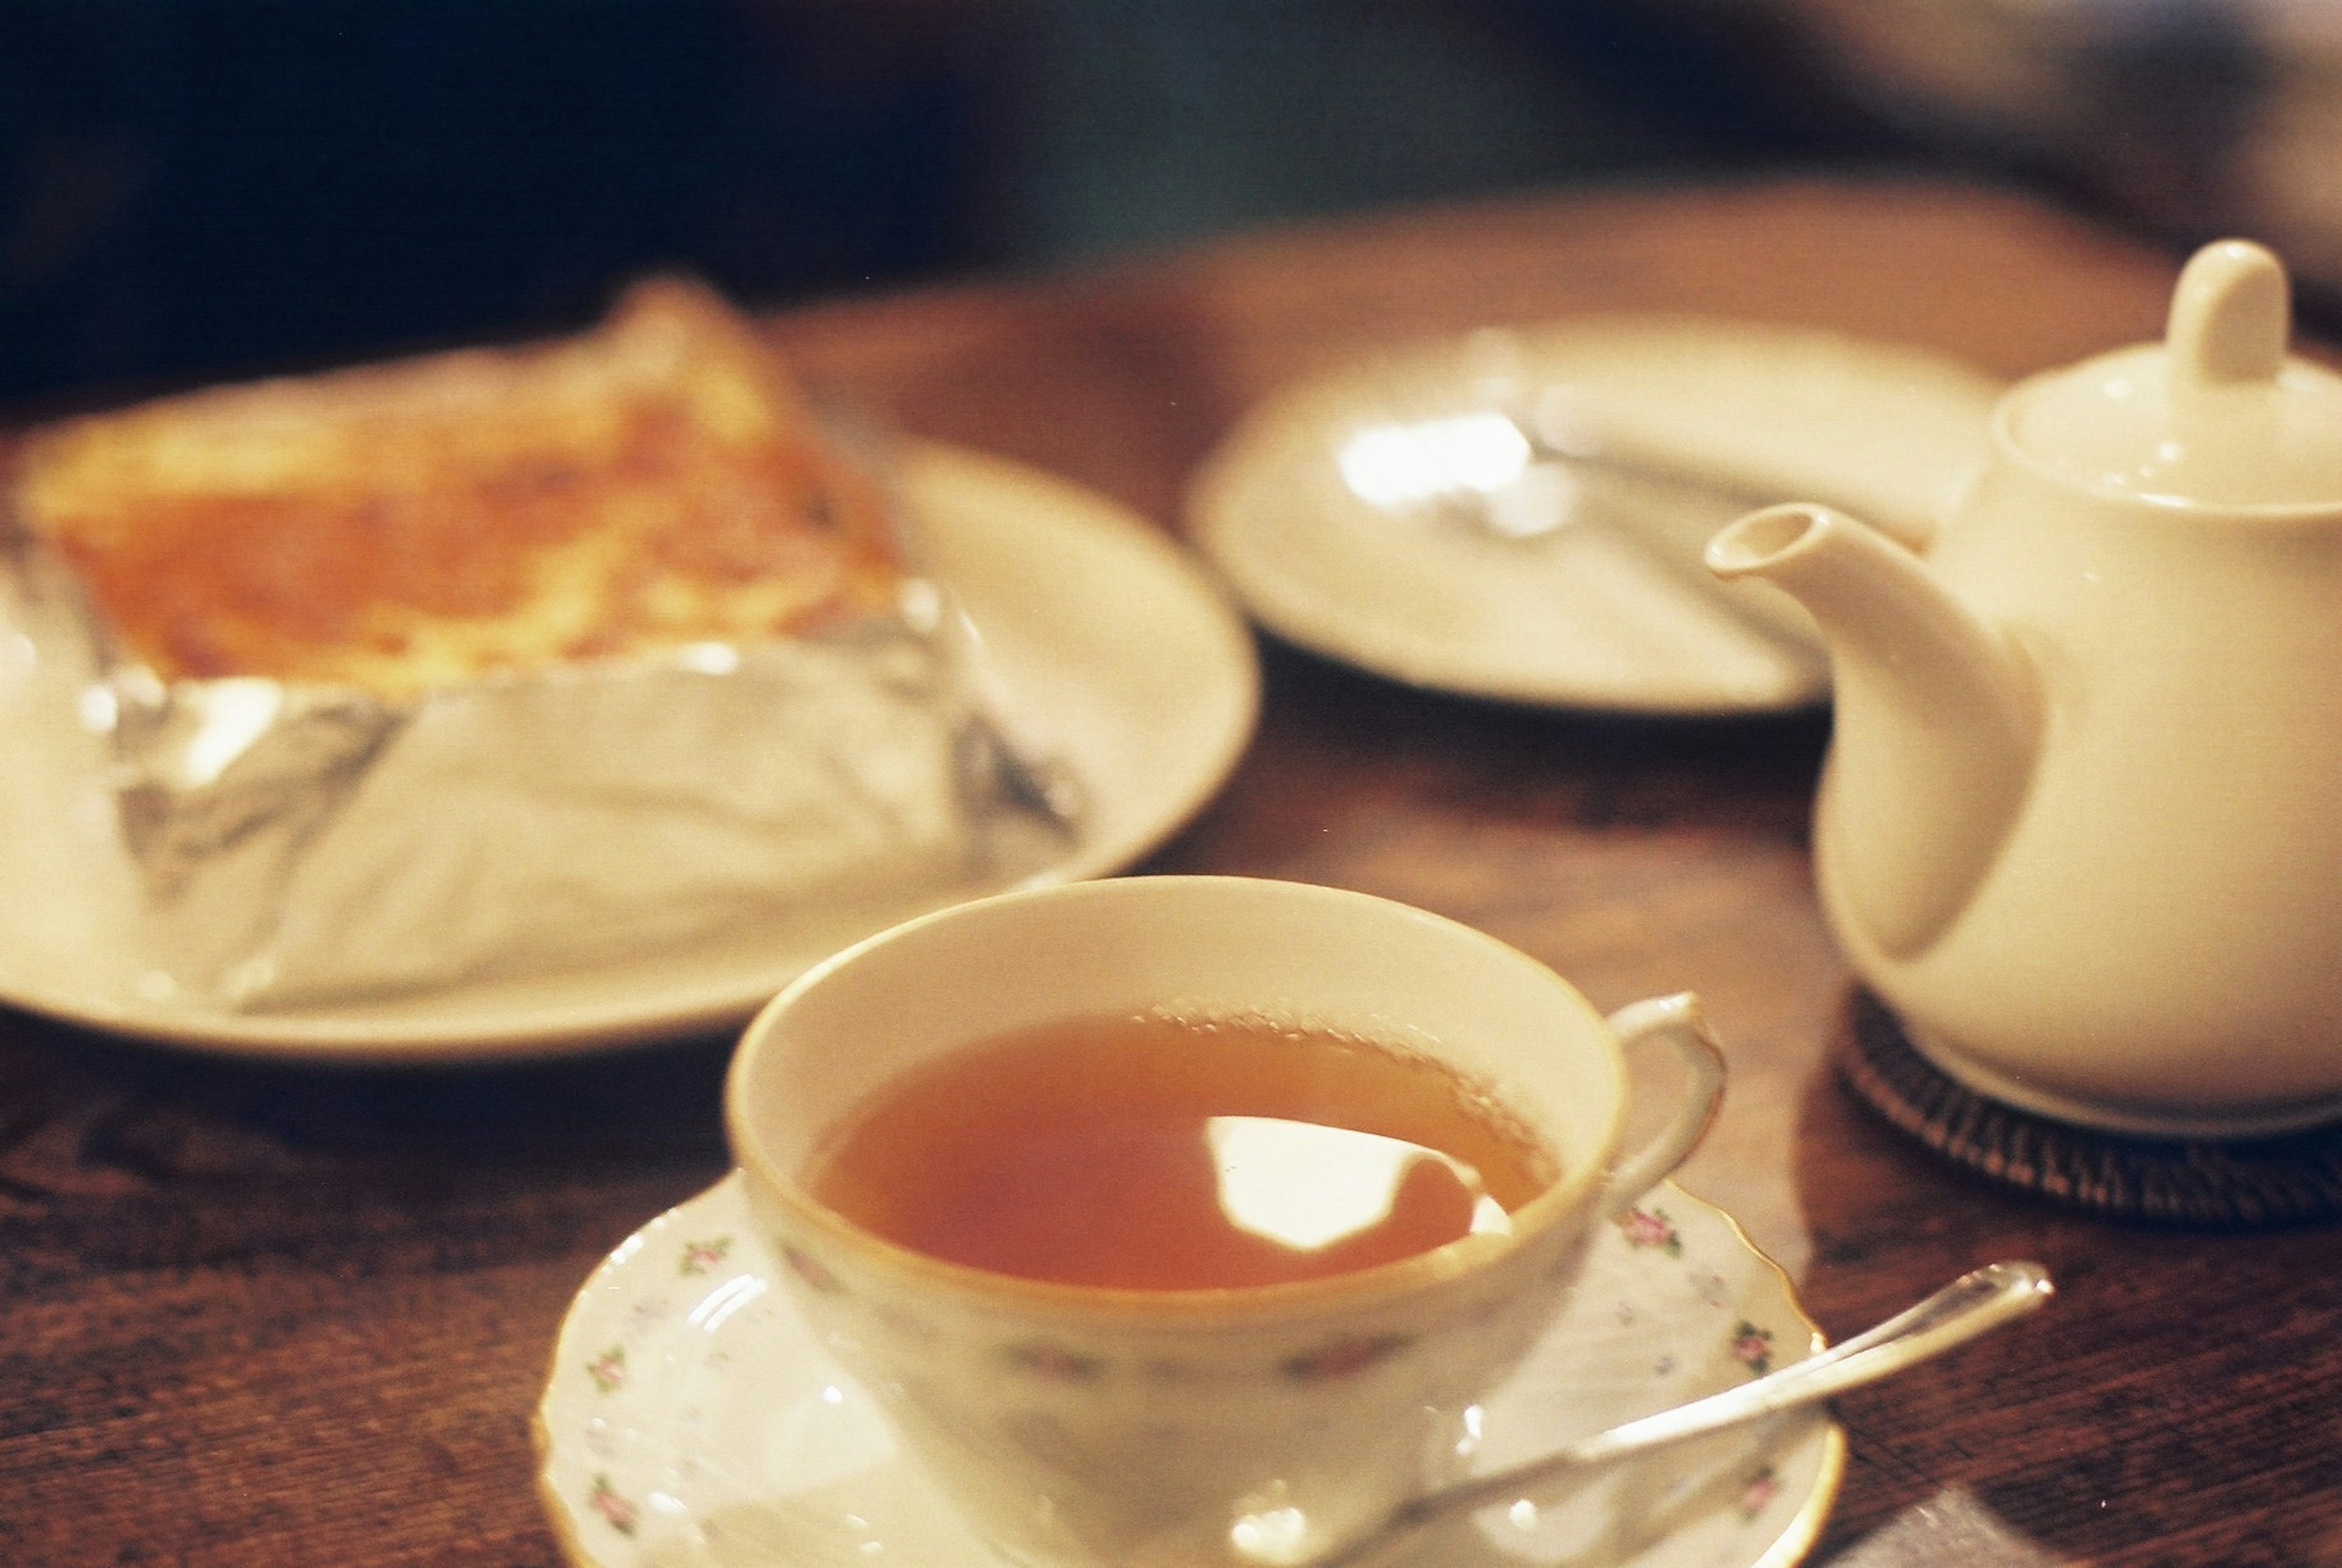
[304,845]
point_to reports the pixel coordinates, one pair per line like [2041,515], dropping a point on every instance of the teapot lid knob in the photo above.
[2230,316]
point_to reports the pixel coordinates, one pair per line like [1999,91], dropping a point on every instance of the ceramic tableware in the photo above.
[690,1417]
[1055,579]
[1975,1303]
[1518,513]
[1081,1425]
[2077,821]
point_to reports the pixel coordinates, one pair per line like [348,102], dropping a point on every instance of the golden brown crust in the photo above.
[657,481]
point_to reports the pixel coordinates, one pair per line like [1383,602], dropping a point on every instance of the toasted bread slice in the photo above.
[657,481]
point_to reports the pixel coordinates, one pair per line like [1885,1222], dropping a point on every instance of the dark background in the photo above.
[198,189]
[192,189]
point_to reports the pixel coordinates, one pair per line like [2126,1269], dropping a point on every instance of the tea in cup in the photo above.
[1172,1219]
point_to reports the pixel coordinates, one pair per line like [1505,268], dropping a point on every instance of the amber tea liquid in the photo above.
[1154,1152]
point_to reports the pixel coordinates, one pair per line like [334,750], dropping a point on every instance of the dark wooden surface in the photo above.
[262,1314]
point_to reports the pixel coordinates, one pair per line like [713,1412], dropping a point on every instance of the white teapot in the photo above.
[2081,821]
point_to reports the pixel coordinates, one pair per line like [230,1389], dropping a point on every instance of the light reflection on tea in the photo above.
[1156,1152]
[1306,1185]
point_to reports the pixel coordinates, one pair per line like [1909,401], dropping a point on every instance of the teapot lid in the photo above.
[2216,414]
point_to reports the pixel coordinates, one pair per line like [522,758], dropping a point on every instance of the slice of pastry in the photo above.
[658,481]
[512,660]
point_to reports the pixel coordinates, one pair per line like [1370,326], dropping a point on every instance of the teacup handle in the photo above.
[1675,1022]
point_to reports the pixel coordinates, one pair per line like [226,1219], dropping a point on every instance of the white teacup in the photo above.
[1084,1425]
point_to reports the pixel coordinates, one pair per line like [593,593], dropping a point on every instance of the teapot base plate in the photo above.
[2299,1117]
[2244,1179]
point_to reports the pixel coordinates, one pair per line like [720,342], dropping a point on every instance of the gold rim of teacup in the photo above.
[1566,1195]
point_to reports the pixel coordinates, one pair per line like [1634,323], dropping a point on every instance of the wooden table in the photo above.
[265,1315]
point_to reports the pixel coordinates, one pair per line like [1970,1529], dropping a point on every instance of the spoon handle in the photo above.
[1969,1306]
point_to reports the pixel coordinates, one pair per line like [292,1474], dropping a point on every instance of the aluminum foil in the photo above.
[302,845]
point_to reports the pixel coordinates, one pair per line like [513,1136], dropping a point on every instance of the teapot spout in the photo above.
[1936,722]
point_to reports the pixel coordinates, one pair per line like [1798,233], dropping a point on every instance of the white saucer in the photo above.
[1623,618]
[1108,643]
[691,1418]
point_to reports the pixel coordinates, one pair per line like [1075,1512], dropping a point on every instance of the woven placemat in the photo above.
[2240,1184]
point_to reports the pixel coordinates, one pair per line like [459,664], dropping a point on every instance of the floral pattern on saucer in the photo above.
[692,1418]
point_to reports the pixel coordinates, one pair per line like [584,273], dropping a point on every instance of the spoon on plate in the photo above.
[1969,1306]
[1520,476]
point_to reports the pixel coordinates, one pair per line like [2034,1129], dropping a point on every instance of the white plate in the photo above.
[1105,640]
[691,1418]
[1617,618]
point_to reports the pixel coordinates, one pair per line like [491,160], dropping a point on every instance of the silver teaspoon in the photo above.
[1969,1306]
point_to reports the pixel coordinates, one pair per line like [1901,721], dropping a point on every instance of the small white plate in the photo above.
[1320,544]
[692,1418]
[1105,640]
